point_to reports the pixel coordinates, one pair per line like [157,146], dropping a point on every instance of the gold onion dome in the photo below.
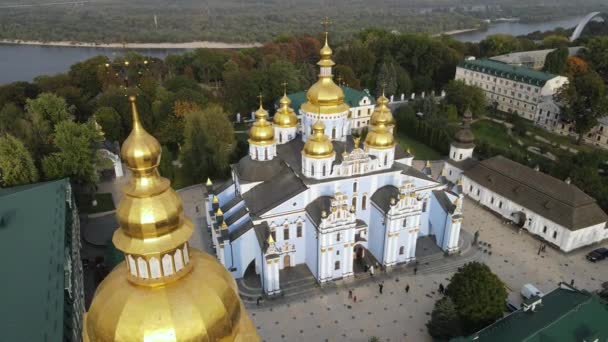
[382,113]
[261,133]
[192,297]
[325,93]
[318,145]
[285,116]
[380,137]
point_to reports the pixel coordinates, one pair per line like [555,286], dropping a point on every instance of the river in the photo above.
[25,62]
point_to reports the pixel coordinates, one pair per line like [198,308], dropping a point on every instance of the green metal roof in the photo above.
[32,242]
[352,97]
[511,72]
[563,315]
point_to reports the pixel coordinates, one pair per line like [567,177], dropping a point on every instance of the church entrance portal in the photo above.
[286,261]
[362,259]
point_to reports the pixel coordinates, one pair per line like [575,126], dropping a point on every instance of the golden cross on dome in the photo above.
[260,97]
[284,84]
[383,87]
[325,23]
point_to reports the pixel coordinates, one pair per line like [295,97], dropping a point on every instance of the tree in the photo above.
[576,66]
[347,75]
[196,154]
[16,163]
[465,97]
[75,153]
[49,107]
[387,79]
[8,115]
[478,294]
[596,53]
[165,167]
[111,123]
[444,323]
[554,41]
[556,61]
[583,101]
[498,44]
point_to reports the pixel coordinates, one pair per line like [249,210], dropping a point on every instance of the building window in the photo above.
[286,233]
[333,133]
[385,159]
[470,188]
[544,229]
[460,156]
[274,235]
[338,237]
[355,186]
[337,265]
[555,234]
[492,200]
[450,172]
[364,202]
[477,192]
[323,169]
[299,230]
[354,202]
[312,170]
[401,250]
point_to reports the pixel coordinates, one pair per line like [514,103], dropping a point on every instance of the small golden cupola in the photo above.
[380,137]
[325,94]
[165,290]
[318,145]
[262,143]
[261,133]
[285,117]
[382,113]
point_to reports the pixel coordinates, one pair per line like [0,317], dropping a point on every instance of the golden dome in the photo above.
[193,299]
[140,150]
[261,133]
[380,138]
[285,116]
[318,144]
[325,96]
[202,306]
[382,113]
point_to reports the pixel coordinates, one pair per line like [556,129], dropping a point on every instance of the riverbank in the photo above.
[454,32]
[189,45]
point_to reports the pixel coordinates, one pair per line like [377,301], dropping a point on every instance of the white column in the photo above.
[277,287]
[322,273]
[269,276]
[412,249]
[118,168]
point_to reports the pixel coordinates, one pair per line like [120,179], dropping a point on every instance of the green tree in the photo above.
[166,167]
[464,96]
[347,75]
[478,294]
[8,115]
[387,79]
[49,107]
[16,163]
[196,154]
[444,323]
[596,53]
[111,123]
[76,153]
[498,44]
[583,101]
[554,41]
[556,61]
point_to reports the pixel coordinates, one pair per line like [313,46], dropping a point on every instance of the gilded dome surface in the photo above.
[201,306]
[261,133]
[285,116]
[380,138]
[318,144]
[382,113]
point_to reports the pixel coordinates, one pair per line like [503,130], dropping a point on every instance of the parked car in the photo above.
[528,291]
[597,254]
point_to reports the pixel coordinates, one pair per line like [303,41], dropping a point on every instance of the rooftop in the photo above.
[351,96]
[564,314]
[32,235]
[503,70]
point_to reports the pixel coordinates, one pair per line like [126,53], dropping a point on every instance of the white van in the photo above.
[528,291]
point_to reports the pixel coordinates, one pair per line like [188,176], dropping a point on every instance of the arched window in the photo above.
[401,250]
[355,186]
[179,262]
[132,266]
[385,159]
[354,202]
[265,154]
[280,138]
[323,169]
[167,265]
[186,255]
[405,222]
[154,268]
[142,267]
[257,156]
[364,202]
[337,265]
[312,170]
[333,133]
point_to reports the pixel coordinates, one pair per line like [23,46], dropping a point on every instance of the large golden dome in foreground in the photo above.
[165,291]
[318,144]
[325,96]
[261,133]
[285,117]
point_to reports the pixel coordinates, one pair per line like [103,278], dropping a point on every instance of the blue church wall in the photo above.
[244,250]
[376,233]
[312,248]
[438,220]
[226,195]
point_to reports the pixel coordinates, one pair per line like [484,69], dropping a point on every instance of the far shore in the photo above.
[454,32]
[189,45]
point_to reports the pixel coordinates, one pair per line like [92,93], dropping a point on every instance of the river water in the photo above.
[24,62]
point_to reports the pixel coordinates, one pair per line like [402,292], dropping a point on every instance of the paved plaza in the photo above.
[329,315]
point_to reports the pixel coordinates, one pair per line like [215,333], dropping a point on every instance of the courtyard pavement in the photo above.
[330,315]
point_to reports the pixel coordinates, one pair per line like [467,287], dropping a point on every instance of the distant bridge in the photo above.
[583,23]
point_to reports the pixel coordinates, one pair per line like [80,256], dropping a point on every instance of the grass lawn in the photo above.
[492,133]
[420,150]
[104,203]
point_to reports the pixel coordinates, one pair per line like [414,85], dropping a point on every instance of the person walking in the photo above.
[407,288]
[355,299]
[415,270]
[371,270]
[350,294]
[257,302]
[441,288]
[380,287]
